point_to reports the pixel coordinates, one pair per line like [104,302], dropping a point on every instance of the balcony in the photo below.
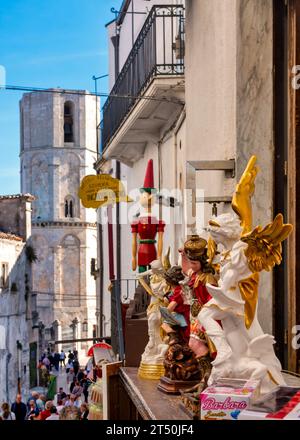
[149,90]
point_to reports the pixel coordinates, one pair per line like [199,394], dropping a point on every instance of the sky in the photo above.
[47,43]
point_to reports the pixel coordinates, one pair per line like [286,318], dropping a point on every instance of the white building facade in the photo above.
[207,88]
[146,59]
[58,148]
[18,332]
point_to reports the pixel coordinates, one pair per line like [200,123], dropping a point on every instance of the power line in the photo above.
[86,93]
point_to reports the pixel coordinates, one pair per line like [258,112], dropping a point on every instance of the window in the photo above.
[69,207]
[4,275]
[68,122]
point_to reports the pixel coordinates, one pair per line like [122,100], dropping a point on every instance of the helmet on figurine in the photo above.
[195,249]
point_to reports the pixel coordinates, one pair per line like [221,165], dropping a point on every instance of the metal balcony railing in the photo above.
[158,50]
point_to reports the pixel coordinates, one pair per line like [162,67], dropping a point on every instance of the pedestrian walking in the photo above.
[70,356]
[61,395]
[62,358]
[71,401]
[72,385]
[34,396]
[70,413]
[60,405]
[84,409]
[56,360]
[40,403]
[77,389]
[51,360]
[80,375]
[46,413]
[46,362]
[54,415]
[76,366]
[7,414]
[85,383]
[33,412]
[69,365]
[70,376]
[19,409]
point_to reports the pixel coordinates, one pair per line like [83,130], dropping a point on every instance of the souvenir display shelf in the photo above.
[151,404]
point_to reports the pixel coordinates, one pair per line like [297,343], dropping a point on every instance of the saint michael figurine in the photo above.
[146,228]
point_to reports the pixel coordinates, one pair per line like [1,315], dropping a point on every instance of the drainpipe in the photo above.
[101,279]
[118,170]
[119,270]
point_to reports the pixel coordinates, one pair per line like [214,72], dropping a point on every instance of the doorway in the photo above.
[286,52]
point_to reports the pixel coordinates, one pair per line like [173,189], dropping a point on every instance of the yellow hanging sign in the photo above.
[101,190]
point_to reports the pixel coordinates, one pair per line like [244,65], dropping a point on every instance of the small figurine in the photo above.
[145,229]
[177,313]
[183,368]
[200,273]
[152,362]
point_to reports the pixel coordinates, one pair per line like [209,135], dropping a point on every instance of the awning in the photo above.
[103,346]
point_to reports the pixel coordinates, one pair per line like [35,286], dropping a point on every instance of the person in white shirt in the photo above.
[54,415]
[73,401]
[62,358]
[60,405]
[6,412]
[70,375]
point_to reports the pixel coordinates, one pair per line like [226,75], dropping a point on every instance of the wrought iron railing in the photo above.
[158,50]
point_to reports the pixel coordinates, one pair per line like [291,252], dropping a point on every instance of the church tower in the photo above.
[58,148]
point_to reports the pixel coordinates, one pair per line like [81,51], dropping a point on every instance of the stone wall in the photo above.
[229,102]
[15,215]
[254,118]
[14,323]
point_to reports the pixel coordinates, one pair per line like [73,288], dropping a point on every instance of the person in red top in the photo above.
[46,413]
[146,228]
[200,273]
[177,310]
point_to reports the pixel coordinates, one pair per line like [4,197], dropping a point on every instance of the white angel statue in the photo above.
[243,350]
[152,362]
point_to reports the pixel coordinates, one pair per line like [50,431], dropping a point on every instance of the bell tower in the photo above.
[58,148]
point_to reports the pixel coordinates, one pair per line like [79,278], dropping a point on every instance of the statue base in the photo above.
[151,371]
[170,386]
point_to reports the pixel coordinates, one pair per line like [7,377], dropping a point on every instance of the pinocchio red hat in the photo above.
[149,178]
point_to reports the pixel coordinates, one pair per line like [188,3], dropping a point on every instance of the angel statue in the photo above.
[243,350]
[152,362]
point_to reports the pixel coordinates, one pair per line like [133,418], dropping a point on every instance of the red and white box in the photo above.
[227,398]
[282,404]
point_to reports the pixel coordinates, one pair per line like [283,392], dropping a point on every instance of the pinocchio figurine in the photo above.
[145,229]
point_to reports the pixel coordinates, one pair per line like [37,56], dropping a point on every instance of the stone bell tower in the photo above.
[58,148]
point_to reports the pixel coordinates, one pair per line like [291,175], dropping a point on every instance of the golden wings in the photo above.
[264,244]
[241,200]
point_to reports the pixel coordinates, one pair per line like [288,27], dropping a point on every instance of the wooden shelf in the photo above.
[150,403]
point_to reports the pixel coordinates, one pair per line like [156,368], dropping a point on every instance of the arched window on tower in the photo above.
[68,122]
[69,207]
